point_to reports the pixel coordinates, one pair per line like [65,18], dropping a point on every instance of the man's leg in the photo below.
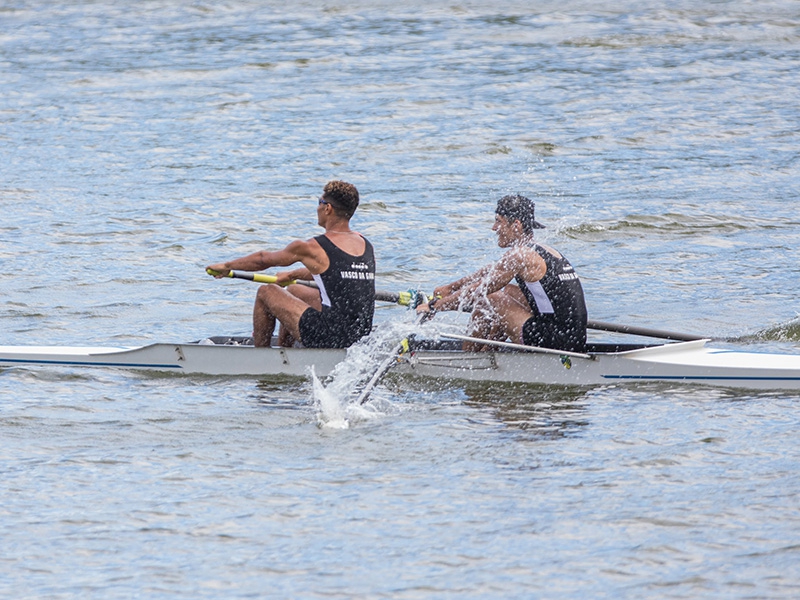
[275,303]
[514,311]
[499,317]
[483,323]
[308,295]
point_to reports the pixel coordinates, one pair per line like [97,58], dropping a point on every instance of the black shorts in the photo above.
[319,330]
[549,334]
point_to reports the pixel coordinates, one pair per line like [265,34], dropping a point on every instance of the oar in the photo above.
[399,350]
[643,331]
[402,298]
[511,346]
[384,368]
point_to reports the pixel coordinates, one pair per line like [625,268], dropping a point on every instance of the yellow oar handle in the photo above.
[258,277]
[261,278]
[401,298]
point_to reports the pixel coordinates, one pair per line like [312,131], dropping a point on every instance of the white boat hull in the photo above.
[687,362]
[181,358]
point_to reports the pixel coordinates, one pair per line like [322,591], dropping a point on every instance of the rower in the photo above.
[342,262]
[531,296]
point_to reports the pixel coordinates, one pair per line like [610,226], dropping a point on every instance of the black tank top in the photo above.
[558,296]
[347,288]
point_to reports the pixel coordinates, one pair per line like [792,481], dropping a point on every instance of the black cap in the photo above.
[518,208]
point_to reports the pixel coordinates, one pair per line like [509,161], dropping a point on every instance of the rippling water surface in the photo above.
[143,141]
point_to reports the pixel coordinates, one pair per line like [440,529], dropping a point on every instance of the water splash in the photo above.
[330,411]
[783,332]
[335,401]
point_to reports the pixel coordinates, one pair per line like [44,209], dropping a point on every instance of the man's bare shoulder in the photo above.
[310,253]
[550,250]
[521,255]
[523,260]
[304,247]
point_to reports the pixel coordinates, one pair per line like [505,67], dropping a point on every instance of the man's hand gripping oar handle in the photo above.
[402,298]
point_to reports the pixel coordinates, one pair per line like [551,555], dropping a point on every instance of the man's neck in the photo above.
[338,226]
[525,239]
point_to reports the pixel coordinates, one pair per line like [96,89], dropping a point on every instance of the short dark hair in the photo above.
[342,196]
[518,208]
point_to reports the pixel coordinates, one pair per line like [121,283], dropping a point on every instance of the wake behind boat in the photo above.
[692,362]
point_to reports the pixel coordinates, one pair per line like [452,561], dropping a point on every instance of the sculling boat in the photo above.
[683,361]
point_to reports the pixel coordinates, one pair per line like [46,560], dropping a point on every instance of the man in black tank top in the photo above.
[342,263]
[531,296]
[347,294]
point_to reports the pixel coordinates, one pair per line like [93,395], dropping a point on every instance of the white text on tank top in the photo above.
[361,273]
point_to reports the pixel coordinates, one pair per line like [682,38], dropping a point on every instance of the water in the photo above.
[141,142]
[344,393]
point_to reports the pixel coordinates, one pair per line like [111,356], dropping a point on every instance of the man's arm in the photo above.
[302,274]
[489,279]
[310,253]
[452,295]
[451,288]
[523,261]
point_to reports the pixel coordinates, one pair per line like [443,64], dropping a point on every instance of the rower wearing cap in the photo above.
[532,295]
[341,262]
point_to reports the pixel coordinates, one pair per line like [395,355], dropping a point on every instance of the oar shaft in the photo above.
[643,331]
[512,346]
[391,360]
[387,364]
[403,298]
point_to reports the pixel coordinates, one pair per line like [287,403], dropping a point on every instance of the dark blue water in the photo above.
[141,142]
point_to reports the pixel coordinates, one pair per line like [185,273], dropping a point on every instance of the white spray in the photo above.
[335,402]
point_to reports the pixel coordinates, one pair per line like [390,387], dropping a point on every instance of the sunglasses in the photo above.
[321,201]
